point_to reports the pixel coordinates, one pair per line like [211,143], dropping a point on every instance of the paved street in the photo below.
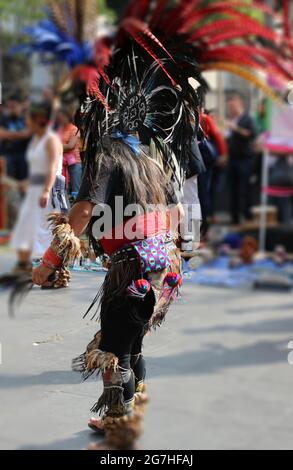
[218,374]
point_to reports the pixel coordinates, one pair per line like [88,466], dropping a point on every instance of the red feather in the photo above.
[173,20]
[217,8]
[134,26]
[241,32]
[157,13]
[102,53]
[225,29]
[255,62]
[263,57]
[94,90]
[287,17]
[146,46]
[91,77]
[139,9]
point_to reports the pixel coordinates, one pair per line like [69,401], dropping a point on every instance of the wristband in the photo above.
[51,260]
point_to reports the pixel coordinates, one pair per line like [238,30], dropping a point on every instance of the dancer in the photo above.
[46,192]
[144,273]
[144,97]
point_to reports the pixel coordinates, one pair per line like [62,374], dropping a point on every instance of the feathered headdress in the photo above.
[145,92]
[160,45]
[243,37]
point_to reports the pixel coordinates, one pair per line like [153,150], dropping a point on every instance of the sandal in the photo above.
[94,427]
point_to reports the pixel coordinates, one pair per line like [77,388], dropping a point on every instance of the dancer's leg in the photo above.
[121,325]
[138,363]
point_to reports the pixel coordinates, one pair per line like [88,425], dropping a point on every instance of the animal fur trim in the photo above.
[122,432]
[102,360]
[65,244]
[79,364]
[63,278]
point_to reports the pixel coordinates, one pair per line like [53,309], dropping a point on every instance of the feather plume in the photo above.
[19,286]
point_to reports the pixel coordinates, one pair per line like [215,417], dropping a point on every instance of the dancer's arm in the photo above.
[79,218]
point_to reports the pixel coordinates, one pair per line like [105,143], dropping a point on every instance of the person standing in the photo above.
[31,236]
[190,225]
[69,135]
[14,140]
[214,163]
[241,132]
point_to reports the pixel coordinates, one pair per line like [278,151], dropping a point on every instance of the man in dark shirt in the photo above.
[14,139]
[240,138]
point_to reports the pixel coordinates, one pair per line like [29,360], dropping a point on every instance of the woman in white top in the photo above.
[32,235]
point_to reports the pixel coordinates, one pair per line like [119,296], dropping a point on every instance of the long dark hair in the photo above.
[143,180]
[41,111]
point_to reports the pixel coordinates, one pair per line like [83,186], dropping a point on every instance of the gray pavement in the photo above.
[218,374]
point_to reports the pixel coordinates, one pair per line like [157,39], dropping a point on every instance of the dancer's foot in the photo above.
[97,425]
[141,397]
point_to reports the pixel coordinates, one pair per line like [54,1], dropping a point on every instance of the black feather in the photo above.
[19,285]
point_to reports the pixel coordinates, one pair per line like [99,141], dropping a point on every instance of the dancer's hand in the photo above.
[40,274]
[44,199]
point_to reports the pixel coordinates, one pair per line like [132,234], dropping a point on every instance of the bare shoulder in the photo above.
[53,141]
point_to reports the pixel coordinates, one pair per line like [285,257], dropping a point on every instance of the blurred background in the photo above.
[223,359]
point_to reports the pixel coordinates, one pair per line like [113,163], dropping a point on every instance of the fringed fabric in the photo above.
[111,399]
[111,402]
[117,279]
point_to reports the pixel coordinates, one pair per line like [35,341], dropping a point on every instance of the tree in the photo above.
[28,10]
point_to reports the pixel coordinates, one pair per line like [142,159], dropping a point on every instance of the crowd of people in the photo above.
[15,136]
[41,148]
